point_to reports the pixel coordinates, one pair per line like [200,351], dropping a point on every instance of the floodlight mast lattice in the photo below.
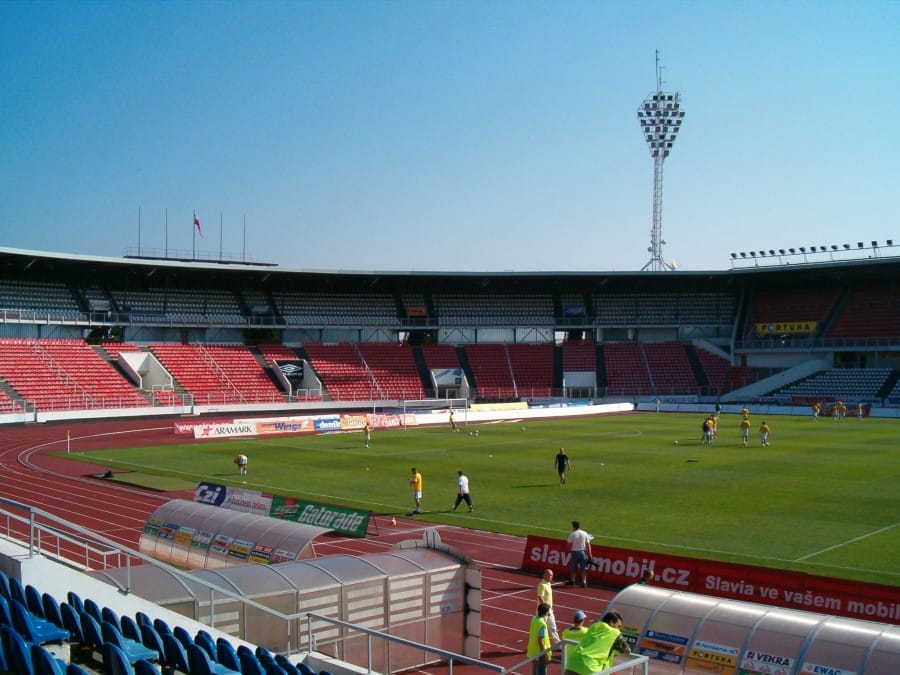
[660,117]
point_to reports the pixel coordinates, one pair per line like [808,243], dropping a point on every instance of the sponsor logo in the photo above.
[210,493]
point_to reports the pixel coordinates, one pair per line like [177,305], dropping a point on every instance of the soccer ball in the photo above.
[523,428]
[476,432]
[676,443]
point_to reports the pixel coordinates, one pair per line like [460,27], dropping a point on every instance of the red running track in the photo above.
[68,489]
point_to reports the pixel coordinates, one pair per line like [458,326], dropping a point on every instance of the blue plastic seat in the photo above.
[141,617]
[286,664]
[114,661]
[151,640]
[250,665]
[17,651]
[200,663]
[75,669]
[93,636]
[33,629]
[109,615]
[130,629]
[264,655]
[133,651]
[51,610]
[17,591]
[176,657]
[181,634]
[33,601]
[45,663]
[226,654]
[4,664]
[204,640]
[5,617]
[274,669]
[305,669]
[71,622]
[144,667]
[161,627]
[77,604]
[94,610]
[4,586]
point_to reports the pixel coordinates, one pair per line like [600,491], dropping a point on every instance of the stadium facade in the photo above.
[735,327]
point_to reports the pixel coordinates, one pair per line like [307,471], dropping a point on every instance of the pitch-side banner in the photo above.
[224,430]
[350,522]
[618,567]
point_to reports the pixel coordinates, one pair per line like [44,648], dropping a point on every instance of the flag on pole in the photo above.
[197,225]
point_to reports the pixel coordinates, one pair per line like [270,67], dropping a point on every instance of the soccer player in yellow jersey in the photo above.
[415,484]
[815,412]
[745,431]
[764,434]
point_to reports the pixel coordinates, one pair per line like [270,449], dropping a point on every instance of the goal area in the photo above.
[440,407]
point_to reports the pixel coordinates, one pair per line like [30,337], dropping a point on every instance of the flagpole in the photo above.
[194,237]
[166,254]
[220,236]
[244,249]
[139,230]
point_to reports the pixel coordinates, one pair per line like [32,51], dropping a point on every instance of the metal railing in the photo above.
[59,539]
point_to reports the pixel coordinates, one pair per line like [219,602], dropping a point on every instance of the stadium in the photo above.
[126,382]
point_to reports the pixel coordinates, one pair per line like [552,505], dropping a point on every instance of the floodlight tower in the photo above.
[660,117]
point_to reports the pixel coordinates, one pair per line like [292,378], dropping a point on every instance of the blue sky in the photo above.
[445,136]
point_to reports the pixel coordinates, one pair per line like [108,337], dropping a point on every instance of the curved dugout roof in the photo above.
[198,536]
[692,633]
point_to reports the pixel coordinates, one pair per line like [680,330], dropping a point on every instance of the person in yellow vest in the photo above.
[539,640]
[764,434]
[367,432]
[599,646]
[815,411]
[577,631]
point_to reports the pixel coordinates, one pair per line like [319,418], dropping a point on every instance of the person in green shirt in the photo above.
[539,640]
[598,647]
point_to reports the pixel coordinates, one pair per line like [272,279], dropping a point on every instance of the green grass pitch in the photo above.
[822,498]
